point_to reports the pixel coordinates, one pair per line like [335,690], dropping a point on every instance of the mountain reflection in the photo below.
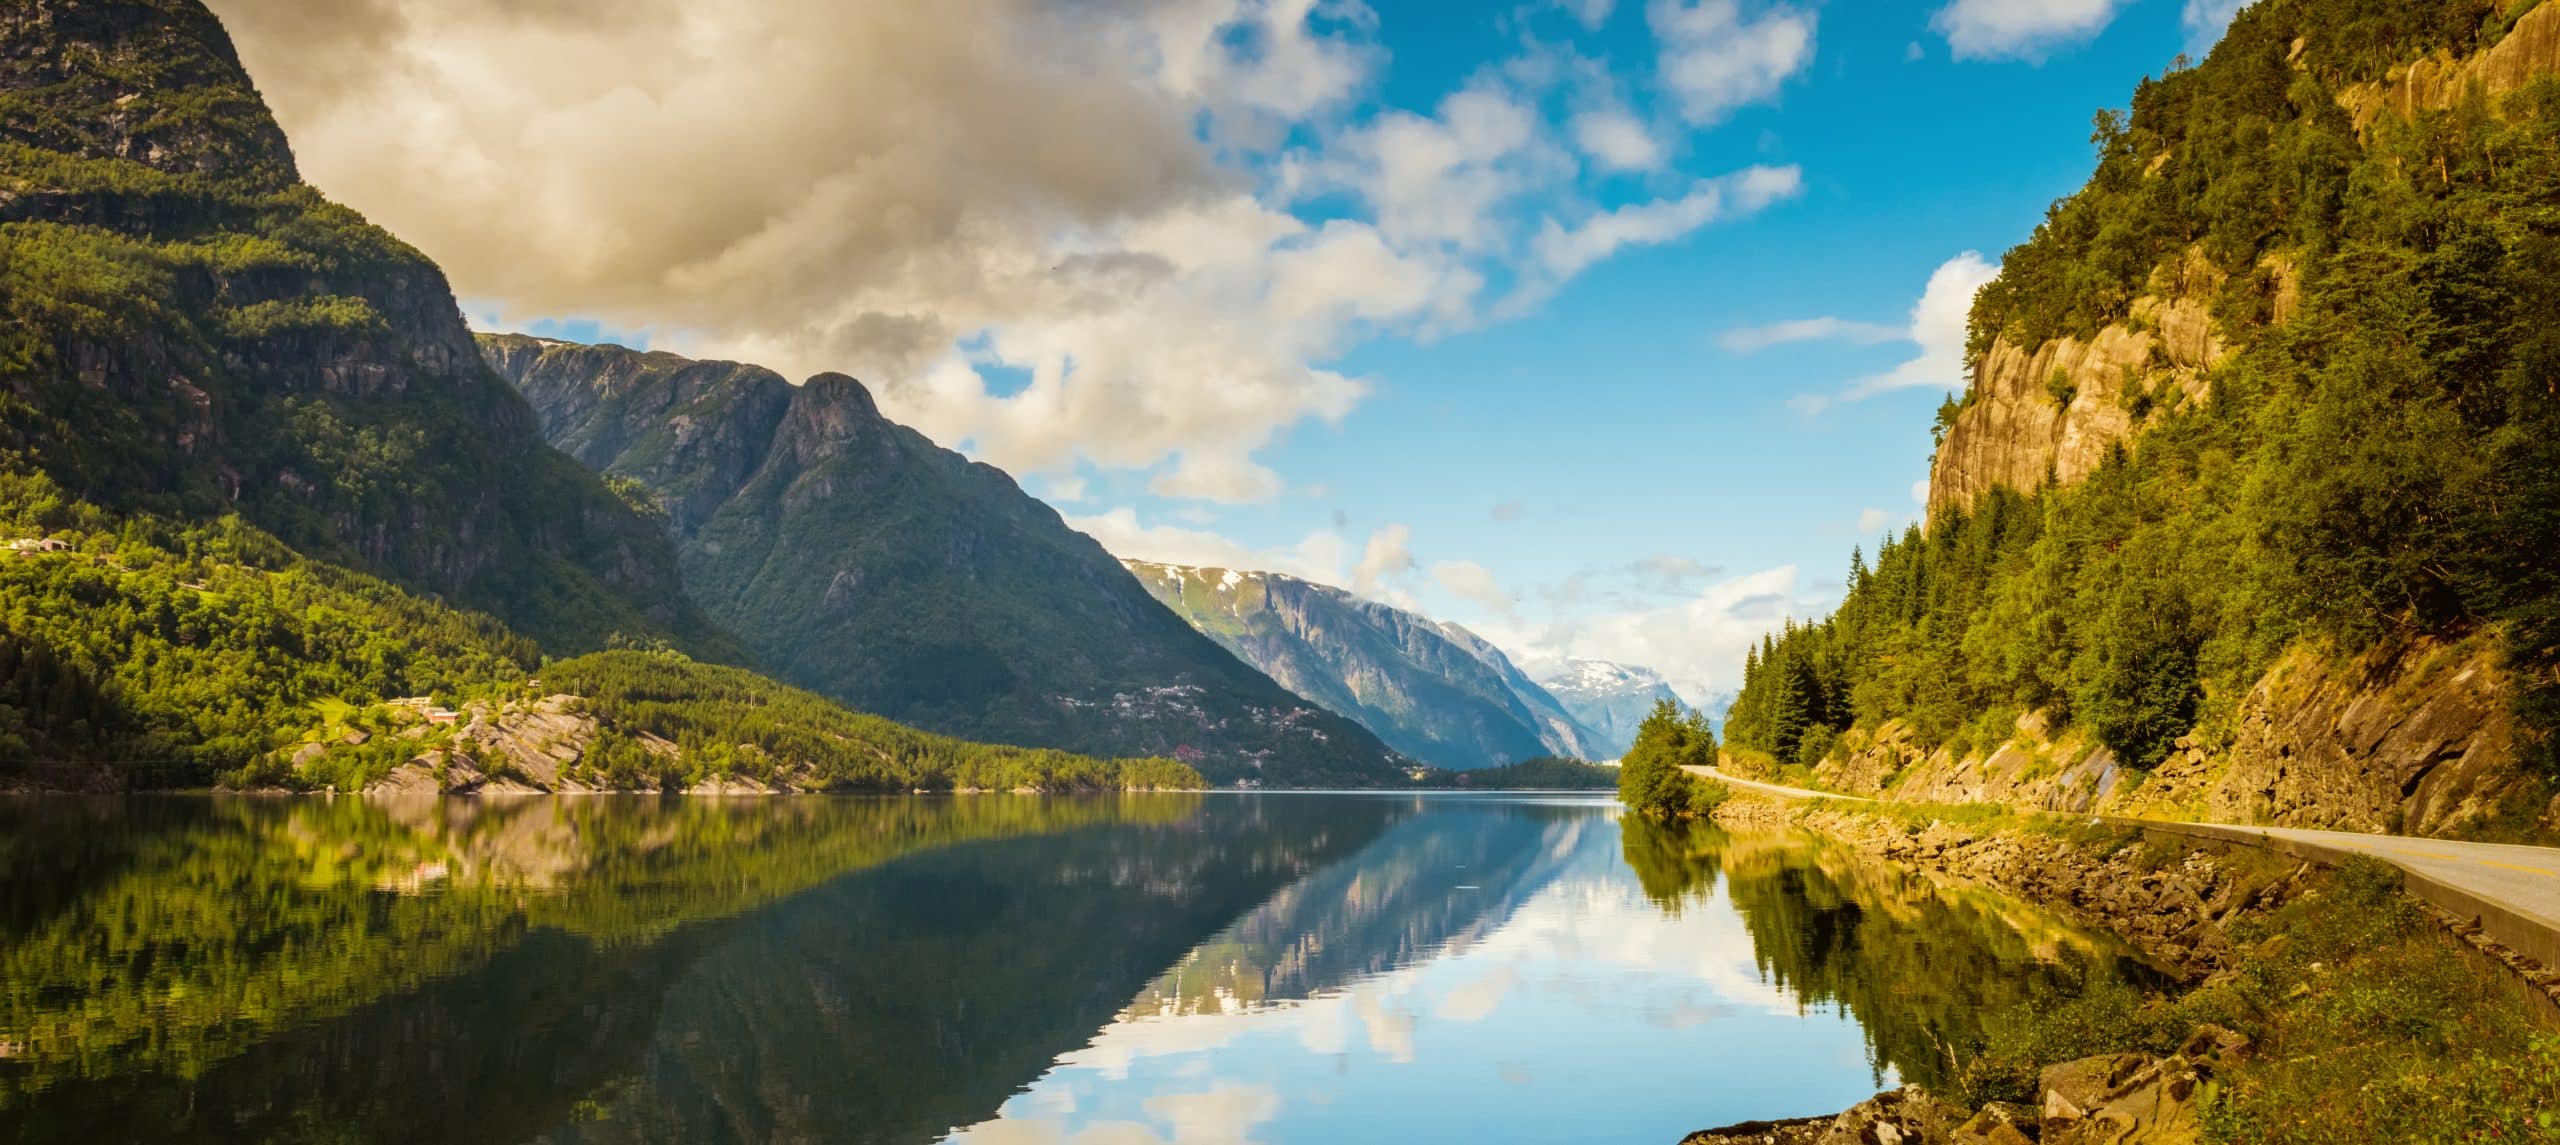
[462,970]
[1434,882]
[883,970]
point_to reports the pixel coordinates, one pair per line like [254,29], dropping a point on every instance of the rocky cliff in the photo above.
[1434,691]
[2418,739]
[2052,412]
[193,332]
[858,559]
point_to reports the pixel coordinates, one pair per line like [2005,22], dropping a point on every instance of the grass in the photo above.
[2369,1022]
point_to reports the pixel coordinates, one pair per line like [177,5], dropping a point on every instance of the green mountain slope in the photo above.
[256,481]
[187,329]
[859,560]
[1433,691]
[2257,487]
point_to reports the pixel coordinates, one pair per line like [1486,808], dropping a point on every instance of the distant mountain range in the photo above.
[1433,691]
[1610,699]
[859,560]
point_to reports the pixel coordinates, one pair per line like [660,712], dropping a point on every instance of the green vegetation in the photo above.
[2369,1020]
[125,952]
[2382,467]
[865,563]
[1543,773]
[189,335]
[190,648]
[1921,964]
[263,481]
[1651,781]
[726,721]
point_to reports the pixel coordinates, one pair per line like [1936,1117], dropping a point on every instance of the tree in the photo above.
[1651,780]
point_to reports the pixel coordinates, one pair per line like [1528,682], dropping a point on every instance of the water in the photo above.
[996,970]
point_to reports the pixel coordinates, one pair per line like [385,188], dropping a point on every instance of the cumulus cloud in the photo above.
[1387,556]
[1616,140]
[1470,581]
[1716,57]
[1057,235]
[1936,329]
[1697,641]
[1873,520]
[2021,29]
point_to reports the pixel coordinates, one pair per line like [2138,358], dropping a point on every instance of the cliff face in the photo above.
[1436,692]
[2417,740]
[2052,413]
[192,331]
[861,561]
[2529,50]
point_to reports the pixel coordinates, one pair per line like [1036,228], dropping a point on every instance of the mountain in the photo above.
[1434,691]
[270,519]
[1610,699]
[2248,510]
[194,333]
[857,559]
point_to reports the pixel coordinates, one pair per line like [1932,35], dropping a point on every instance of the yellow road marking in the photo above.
[2516,867]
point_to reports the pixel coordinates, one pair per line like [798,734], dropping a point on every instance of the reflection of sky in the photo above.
[1589,1015]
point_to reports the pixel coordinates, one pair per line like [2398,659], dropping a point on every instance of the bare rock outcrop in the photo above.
[2529,49]
[2417,739]
[2052,412]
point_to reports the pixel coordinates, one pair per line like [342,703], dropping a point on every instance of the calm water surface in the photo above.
[996,969]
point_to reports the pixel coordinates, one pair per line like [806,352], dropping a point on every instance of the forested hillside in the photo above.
[858,559]
[256,482]
[188,330]
[2352,472]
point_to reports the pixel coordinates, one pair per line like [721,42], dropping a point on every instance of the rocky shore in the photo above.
[2108,1099]
[2241,932]
[2174,905]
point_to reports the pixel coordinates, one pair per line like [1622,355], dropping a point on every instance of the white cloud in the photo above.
[1744,340]
[1715,58]
[1616,140]
[1318,556]
[1873,520]
[1473,582]
[1387,557]
[2206,20]
[1920,491]
[1565,251]
[2019,29]
[1005,215]
[1697,642]
[1441,179]
[1937,328]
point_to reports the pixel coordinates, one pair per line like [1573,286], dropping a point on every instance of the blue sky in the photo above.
[1597,327]
[1615,425]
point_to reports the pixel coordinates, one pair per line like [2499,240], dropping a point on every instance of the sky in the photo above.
[1602,327]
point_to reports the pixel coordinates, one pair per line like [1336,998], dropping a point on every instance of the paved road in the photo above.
[2485,877]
